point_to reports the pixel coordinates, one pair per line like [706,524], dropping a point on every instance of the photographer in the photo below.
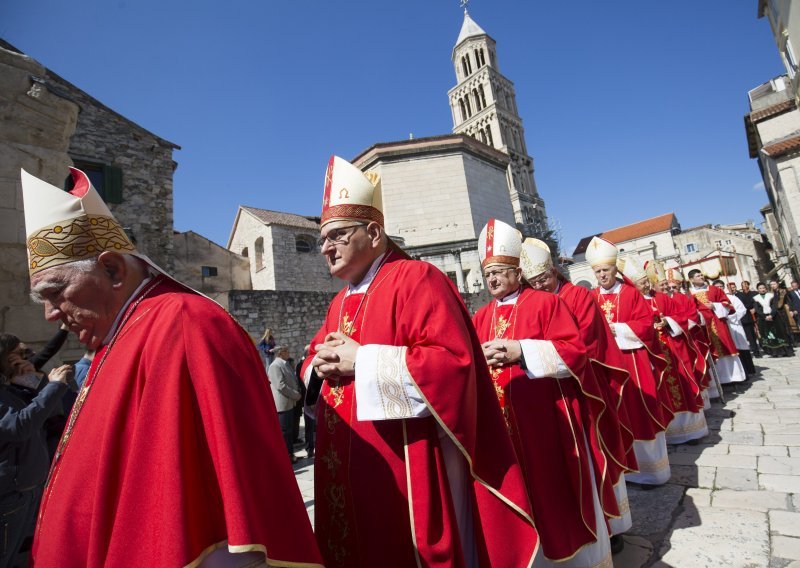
[24,461]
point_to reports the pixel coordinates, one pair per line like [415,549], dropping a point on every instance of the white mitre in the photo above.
[672,271]
[633,269]
[534,258]
[67,226]
[499,243]
[350,194]
[655,271]
[601,251]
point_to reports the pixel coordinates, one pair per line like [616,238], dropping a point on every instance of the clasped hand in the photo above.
[336,356]
[502,352]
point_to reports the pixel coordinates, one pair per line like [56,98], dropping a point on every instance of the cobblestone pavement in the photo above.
[733,500]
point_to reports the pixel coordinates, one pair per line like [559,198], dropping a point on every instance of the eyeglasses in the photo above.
[541,281]
[497,272]
[339,236]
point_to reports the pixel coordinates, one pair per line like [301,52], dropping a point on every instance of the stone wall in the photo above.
[300,271]
[106,138]
[36,128]
[295,316]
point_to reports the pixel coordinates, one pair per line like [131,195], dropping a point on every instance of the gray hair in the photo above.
[58,279]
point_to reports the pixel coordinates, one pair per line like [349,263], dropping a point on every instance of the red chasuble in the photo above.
[642,398]
[685,314]
[173,449]
[549,419]
[382,492]
[682,386]
[609,368]
[719,336]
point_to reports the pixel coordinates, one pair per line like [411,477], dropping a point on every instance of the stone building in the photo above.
[483,104]
[46,125]
[784,20]
[206,266]
[438,193]
[733,252]
[773,137]
[282,250]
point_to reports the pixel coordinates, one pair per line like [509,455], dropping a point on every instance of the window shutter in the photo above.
[113,184]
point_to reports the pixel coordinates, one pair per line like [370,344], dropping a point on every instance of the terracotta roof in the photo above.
[790,144]
[628,232]
[764,113]
[281,218]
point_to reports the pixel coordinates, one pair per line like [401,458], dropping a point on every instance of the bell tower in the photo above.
[484,107]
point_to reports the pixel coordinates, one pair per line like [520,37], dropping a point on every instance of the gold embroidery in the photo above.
[391,368]
[332,461]
[339,527]
[608,309]
[501,326]
[348,327]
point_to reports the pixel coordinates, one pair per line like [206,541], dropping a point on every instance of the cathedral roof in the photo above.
[469,29]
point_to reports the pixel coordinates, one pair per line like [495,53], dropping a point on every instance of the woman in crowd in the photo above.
[774,339]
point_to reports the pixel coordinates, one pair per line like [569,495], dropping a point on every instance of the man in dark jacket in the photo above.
[746,296]
[24,460]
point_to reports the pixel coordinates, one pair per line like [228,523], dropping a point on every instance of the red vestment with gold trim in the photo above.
[175,449]
[645,399]
[685,313]
[719,336]
[612,376]
[551,421]
[364,470]
[684,390]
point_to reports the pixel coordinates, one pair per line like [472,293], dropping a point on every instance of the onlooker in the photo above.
[24,460]
[736,328]
[82,368]
[267,347]
[286,392]
[309,410]
[782,318]
[793,300]
[748,322]
[773,335]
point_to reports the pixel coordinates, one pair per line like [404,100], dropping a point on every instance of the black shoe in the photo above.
[617,544]
[693,442]
[310,454]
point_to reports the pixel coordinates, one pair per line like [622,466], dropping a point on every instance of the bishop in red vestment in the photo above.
[172,455]
[414,466]
[607,365]
[714,305]
[551,402]
[631,322]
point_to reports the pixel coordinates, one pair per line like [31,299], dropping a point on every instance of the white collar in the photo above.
[511,299]
[130,299]
[363,286]
[693,288]
[614,289]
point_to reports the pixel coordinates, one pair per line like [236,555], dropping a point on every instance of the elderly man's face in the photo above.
[346,246]
[663,287]
[501,280]
[606,275]
[674,286]
[546,281]
[83,301]
[643,284]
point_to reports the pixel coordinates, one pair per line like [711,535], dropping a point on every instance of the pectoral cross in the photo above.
[501,326]
[608,308]
[348,327]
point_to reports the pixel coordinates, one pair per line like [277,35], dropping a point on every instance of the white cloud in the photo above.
[759,186]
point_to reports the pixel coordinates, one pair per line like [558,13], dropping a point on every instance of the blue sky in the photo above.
[631,109]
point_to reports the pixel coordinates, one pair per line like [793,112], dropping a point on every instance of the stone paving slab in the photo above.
[752,500]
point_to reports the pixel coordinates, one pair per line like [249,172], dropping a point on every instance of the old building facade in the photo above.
[206,266]
[49,124]
[733,252]
[282,250]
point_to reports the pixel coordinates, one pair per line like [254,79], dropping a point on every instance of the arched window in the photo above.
[259,247]
[483,59]
[303,243]
[477,99]
[463,110]
[489,135]
[483,96]
[466,65]
[245,253]
[483,135]
[469,107]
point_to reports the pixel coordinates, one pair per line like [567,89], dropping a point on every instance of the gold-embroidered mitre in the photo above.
[535,258]
[350,194]
[601,251]
[499,243]
[65,226]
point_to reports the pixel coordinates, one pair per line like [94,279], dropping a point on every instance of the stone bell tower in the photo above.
[484,107]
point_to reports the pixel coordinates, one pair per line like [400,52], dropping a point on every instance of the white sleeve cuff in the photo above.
[702,318]
[674,329]
[542,360]
[626,339]
[384,388]
[307,374]
[719,310]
